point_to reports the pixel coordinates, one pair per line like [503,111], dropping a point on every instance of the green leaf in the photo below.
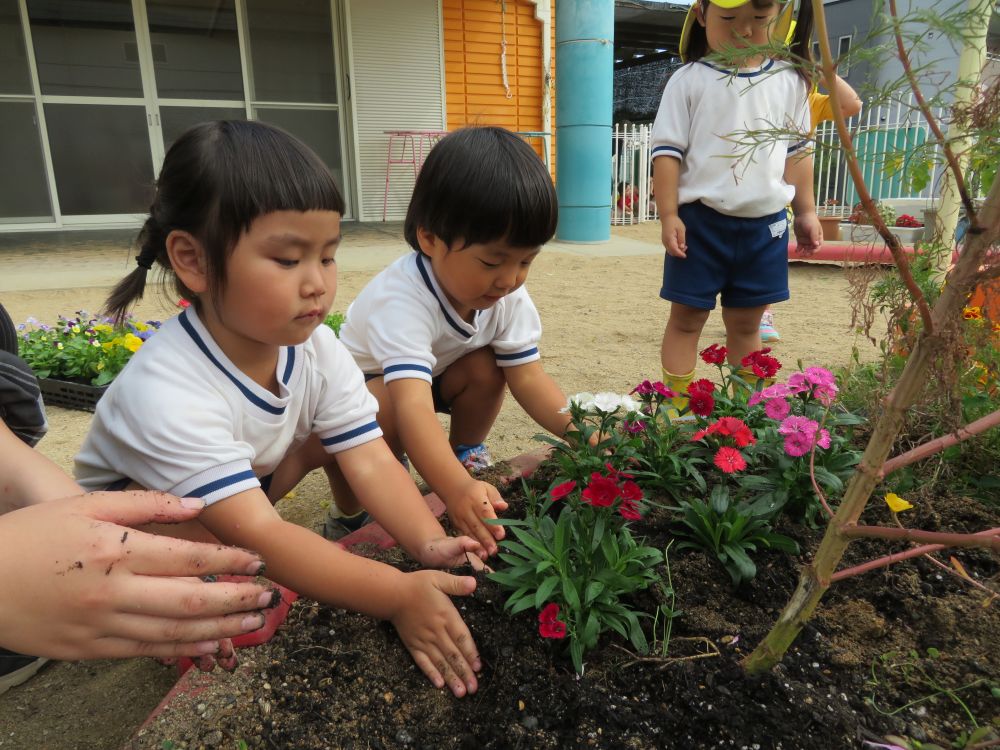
[591,631]
[635,634]
[570,594]
[525,603]
[594,589]
[598,533]
[576,654]
[719,500]
[545,590]
[742,568]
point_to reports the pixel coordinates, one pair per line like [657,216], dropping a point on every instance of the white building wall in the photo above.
[397,84]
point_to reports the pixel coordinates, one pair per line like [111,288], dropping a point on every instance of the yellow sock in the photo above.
[679,385]
[751,377]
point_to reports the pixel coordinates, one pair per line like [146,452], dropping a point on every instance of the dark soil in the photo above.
[860,670]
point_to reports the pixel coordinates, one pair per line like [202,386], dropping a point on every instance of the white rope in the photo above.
[503,49]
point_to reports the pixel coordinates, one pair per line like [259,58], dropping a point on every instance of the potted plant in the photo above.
[908,228]
[860,223]
[76,358]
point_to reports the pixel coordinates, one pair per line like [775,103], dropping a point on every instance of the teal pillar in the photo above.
[584,71]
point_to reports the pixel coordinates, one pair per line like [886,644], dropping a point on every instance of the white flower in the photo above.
[629,403]
[607,402]
[584,400]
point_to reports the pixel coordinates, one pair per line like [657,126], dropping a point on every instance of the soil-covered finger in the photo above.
[186,599]
[166,556]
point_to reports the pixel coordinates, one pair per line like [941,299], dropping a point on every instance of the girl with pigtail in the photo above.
[722,201]
[238,397]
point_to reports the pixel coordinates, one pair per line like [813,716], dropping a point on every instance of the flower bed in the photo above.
[76,358]
[583,647]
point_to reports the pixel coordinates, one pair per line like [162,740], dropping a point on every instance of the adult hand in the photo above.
[78,583]
[469,505]
[433,631]
[673,235]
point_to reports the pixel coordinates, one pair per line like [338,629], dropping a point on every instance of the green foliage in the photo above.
[84,348]
[919,675]
[730,532]
[583,559]
[334,321]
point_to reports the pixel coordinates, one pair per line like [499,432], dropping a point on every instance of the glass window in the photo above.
[101,157]
[85,48]
[24,194]
[291,51]
[175,120]
[15,77]
[319,129]
[196,49]
[843,50]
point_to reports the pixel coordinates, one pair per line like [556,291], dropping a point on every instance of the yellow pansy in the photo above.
[896,503]
[132,342]
[103,328]
[972,313]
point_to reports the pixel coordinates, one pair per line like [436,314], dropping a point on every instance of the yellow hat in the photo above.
[781,30]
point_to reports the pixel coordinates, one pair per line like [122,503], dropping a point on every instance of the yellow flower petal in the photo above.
[896,503]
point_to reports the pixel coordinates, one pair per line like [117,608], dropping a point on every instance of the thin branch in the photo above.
[932,123]
[939,444]
[885,561]
[945,538]
[965,579]
[851,160]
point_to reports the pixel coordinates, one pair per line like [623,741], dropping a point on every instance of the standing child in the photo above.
[238,397]
[722,211]
[450,326]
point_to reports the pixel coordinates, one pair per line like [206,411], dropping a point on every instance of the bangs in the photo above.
[267,170]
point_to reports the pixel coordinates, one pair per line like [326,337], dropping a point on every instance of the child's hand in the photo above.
[433,632]
[450,552]
[470,505]
[808,233]
[673,235]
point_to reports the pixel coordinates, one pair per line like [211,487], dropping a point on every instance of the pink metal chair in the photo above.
[418,143]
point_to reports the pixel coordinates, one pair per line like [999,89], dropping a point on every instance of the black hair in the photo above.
[482,184]
[800,47]
[216,179]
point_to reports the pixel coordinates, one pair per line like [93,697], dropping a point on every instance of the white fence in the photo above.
[889,140]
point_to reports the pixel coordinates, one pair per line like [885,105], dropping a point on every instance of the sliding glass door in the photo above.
[93,92]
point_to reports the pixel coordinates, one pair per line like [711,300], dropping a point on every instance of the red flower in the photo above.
[714,355]
[765,366]
[629,510]
[561,490]
[698,435]
[613,473]
[555,629]
[729,460]
[549,626]
[549,613]
[631,492]
[643,389]
[601,491]
[703,385]
[743,437]
[701,403]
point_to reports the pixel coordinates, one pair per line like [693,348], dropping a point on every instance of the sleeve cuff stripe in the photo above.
[667,151]
[796,146]
[218,484]
[408,367]
[350,434]
[520,355]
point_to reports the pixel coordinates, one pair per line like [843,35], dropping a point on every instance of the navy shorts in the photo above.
[440,405]
[743,260]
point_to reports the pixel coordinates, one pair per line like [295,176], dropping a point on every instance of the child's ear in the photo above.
[187,259]
[699,13]
[430,244]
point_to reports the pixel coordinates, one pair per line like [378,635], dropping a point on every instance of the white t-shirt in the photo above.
[705,113]
[183,419]
[402,325]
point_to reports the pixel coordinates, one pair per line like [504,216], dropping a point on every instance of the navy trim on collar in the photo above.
[766,67]
[444,310]
[250,395]
[289,364]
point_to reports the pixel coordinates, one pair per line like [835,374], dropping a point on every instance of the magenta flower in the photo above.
[798,444]
[661,389]
[777,408]
[643,389]
[823,439]
[796,425]
[633,427]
